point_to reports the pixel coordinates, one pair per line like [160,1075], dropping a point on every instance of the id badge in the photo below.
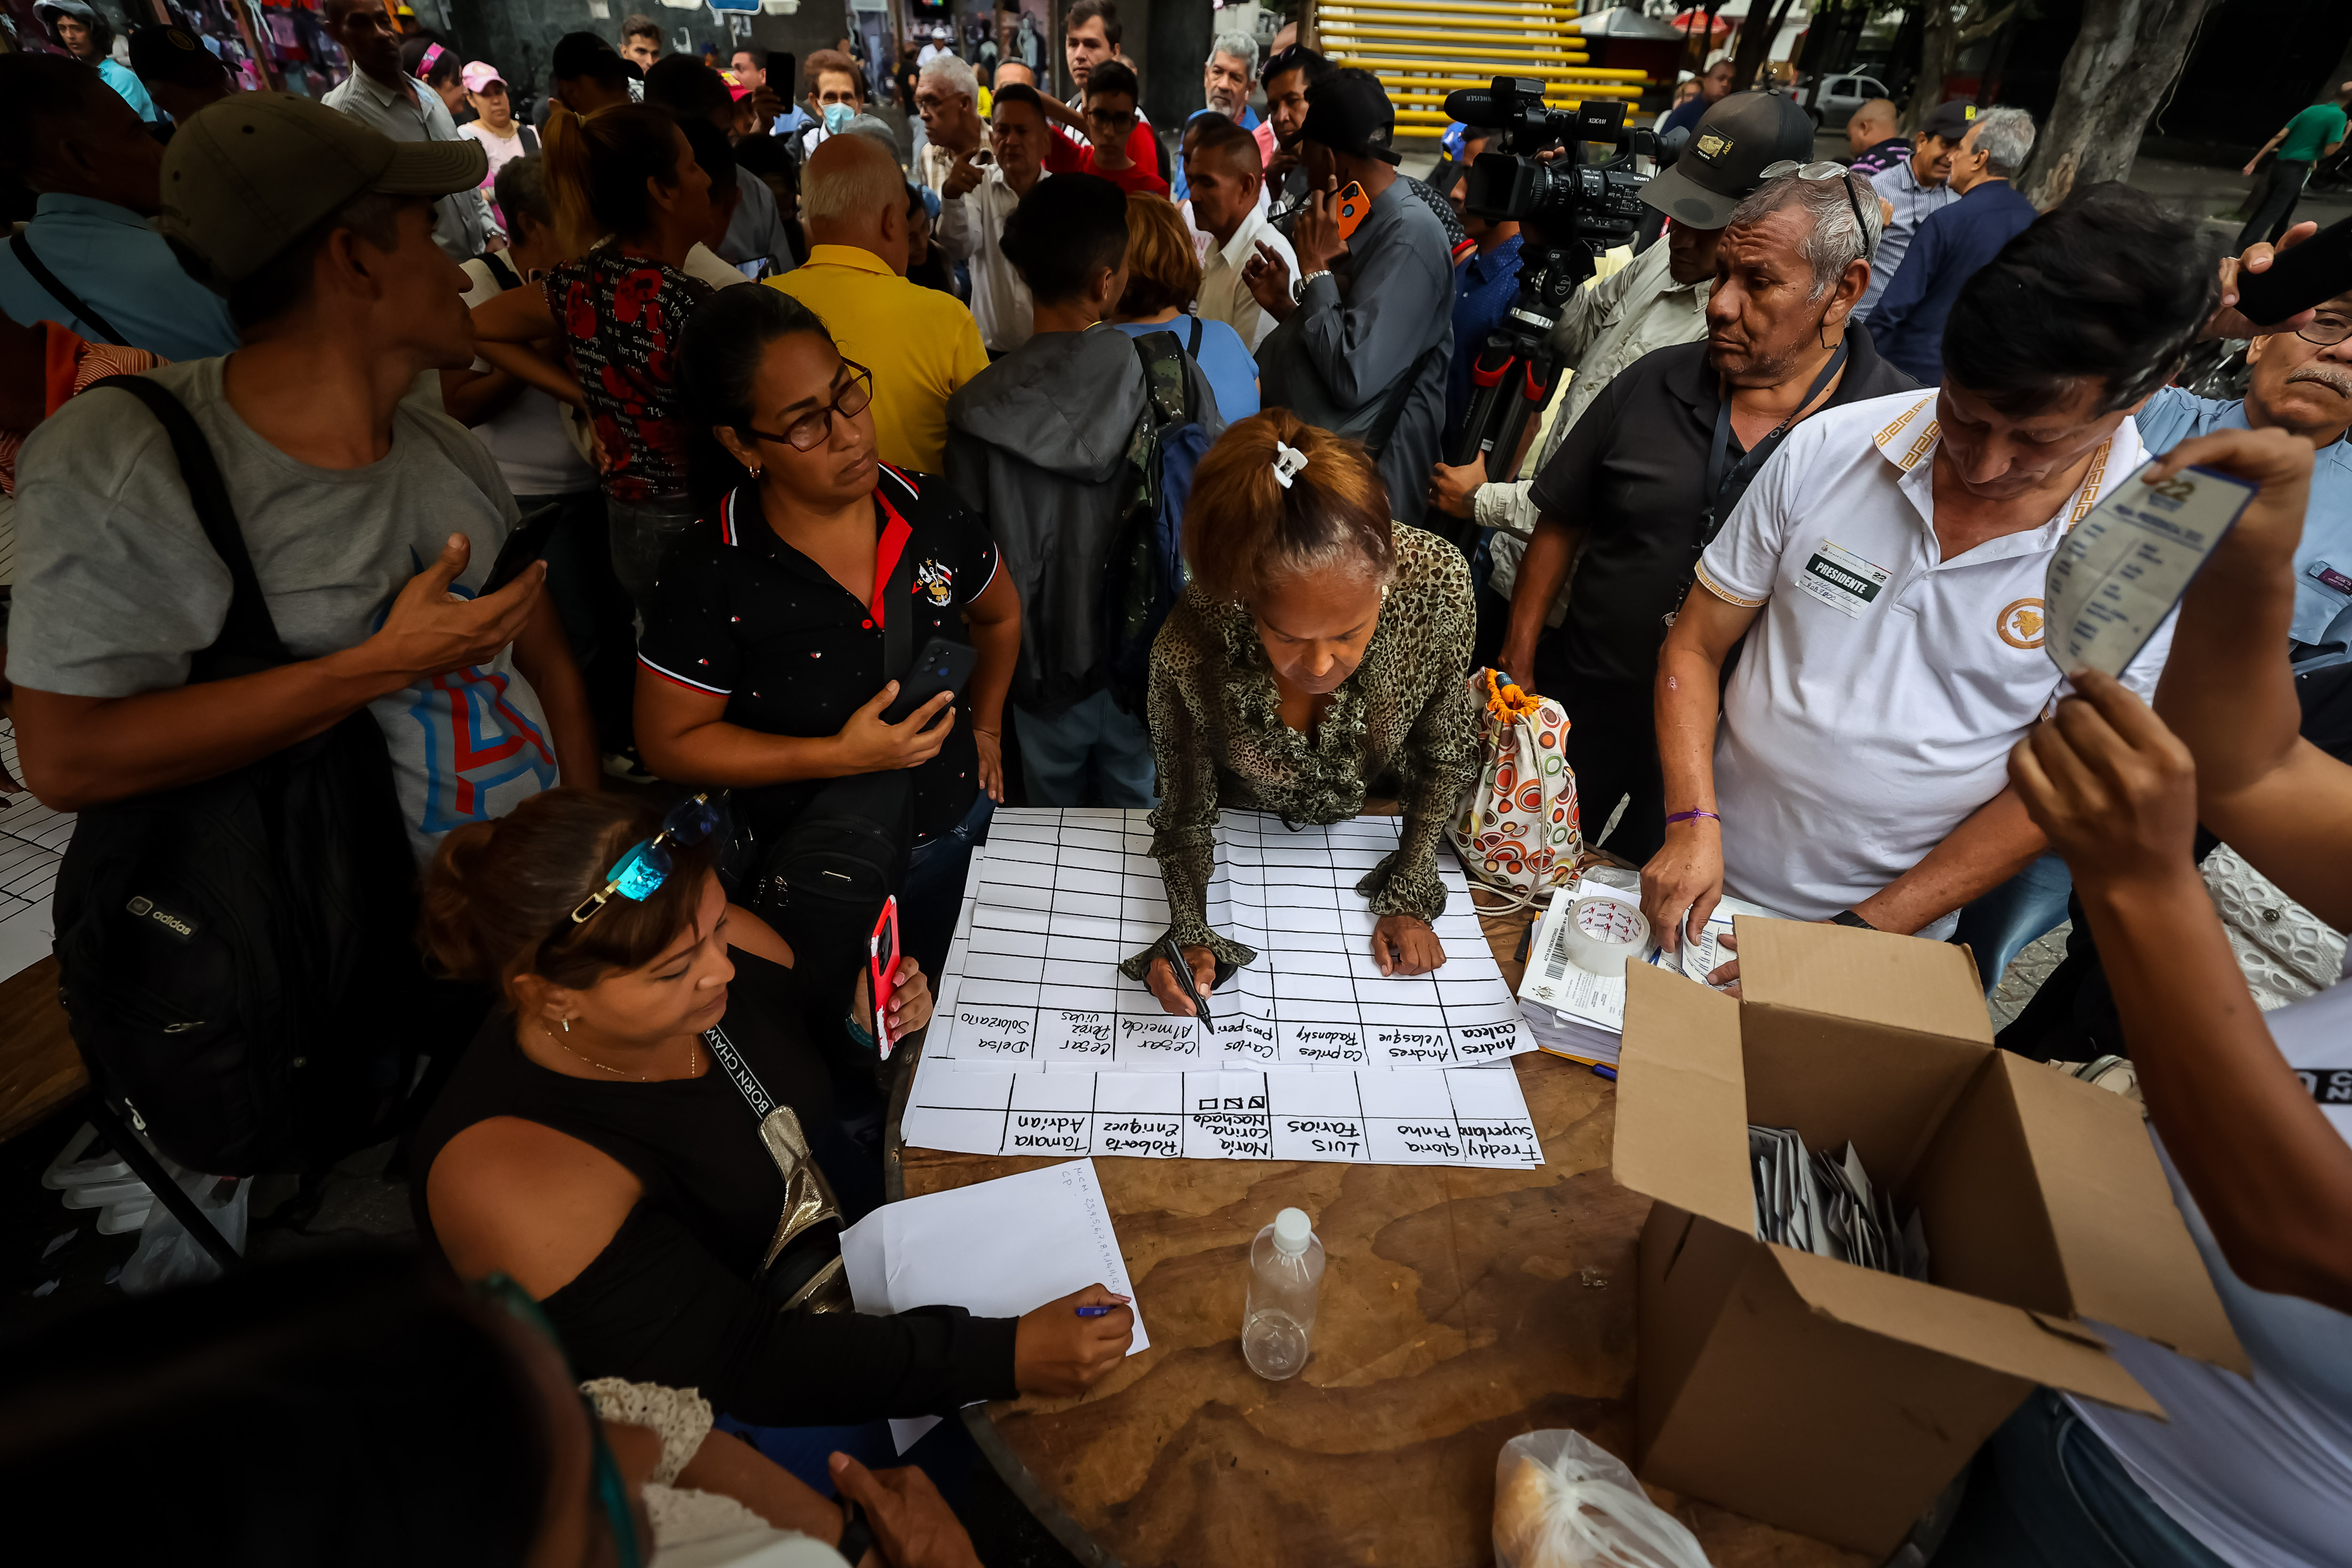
[1842,580]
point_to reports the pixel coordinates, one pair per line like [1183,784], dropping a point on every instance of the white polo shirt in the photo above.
[1882,687]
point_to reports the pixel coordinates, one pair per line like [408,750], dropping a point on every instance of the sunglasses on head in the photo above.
[1826,171]
[639,874]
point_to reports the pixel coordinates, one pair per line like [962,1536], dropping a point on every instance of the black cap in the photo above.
[174,55]
[580,54]
[1349,112]
[1950,121]
[1723,161]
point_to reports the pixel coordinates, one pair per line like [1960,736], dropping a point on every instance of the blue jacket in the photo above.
[1907,324]
[119,267]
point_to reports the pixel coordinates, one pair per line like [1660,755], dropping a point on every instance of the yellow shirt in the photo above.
[919,343]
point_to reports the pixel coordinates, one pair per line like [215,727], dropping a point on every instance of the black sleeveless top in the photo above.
[672,1298]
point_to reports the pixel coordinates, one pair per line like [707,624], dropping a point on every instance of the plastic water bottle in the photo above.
[1285,1270]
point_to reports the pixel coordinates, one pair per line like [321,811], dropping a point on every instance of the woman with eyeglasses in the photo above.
[459,1438]
[762,664]
[644,1136]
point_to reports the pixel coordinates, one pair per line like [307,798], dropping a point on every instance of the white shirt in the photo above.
[1223,296]
[2260,1471]
[526,438]
[972,229]
[1882,687]
[462,224]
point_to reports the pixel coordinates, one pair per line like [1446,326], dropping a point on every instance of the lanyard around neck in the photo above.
[1723,491]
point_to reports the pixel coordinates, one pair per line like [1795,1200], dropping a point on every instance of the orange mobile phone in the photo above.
[1349,207]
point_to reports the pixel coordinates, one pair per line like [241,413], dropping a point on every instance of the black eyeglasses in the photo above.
[1826,171]
[639,874]
[811,429]
[2327,331]
[1110,119]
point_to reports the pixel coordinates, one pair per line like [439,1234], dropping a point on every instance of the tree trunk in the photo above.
[1940,44]
[2122,68]
[1753,50]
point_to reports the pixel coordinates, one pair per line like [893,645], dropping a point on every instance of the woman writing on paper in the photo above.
[1317,657]
[644,1136]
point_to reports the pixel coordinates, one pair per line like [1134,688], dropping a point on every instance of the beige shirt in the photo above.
[1223,296]
[934,163]
[1608,325]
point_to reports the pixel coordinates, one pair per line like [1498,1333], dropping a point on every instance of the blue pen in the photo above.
[1096,1312]
[1608,1073]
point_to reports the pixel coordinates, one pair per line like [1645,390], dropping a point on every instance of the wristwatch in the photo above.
[1298,285]
[1848,918]
[856,1535]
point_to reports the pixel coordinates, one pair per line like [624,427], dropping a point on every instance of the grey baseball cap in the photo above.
[1724,159]
[248,176]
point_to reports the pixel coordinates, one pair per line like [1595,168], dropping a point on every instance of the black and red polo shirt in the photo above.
[739,613]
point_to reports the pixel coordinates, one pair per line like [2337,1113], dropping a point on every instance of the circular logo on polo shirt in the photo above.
[2022,623]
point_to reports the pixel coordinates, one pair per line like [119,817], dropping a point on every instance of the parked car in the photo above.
[1831,100]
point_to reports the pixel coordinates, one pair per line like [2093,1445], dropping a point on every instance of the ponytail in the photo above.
[1245,529]
[596,169]
[499,895]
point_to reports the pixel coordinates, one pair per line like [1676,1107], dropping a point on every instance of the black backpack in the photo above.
[1144,573]
[238,956]
[820,880]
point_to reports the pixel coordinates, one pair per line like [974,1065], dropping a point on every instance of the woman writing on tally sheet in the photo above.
[1319,655]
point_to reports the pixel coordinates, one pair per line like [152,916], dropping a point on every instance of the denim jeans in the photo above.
[1089,754]
[1998,925]
[641,534]
[2045,1492]
[932,895]
[594,608]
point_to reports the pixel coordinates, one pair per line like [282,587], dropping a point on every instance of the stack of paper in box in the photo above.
[1573,995]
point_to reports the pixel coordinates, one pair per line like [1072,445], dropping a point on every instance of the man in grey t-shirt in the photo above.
[371,519]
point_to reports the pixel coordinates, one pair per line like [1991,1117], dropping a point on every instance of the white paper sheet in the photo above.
[1057,898]
[32,844]
[1459,1116]
[997,1248]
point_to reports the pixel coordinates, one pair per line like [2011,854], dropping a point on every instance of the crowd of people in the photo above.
[790,400]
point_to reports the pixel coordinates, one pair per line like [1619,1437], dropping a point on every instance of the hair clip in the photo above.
[1289,461]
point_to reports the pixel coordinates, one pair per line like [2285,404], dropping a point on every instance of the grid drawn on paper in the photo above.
[1456,1116]
[1057,898]
[32,846]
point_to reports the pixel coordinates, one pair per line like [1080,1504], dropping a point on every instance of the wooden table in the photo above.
[1459,1308]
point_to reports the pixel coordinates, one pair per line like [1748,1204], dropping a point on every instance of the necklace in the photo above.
[693,1059]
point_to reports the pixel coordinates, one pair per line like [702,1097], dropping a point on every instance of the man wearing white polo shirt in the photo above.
[1887,571]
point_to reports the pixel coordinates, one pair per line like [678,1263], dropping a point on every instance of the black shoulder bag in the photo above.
[802,1270]
[238,956]
[822,882]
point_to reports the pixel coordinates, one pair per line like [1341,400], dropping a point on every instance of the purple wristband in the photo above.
[1693,817]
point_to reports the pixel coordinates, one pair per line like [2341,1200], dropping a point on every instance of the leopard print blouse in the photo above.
[1401,725]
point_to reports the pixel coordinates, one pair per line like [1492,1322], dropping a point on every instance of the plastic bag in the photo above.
[167,1254]
[1563,1502]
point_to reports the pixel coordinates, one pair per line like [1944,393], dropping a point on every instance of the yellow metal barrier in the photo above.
[1423,50]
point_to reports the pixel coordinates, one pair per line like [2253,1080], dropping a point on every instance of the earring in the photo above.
[567,1025]
[756,472]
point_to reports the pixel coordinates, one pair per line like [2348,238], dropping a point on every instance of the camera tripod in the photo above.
[1516,372]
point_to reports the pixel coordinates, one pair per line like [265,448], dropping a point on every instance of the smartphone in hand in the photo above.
[882,972]
[1349,207]
[526,543]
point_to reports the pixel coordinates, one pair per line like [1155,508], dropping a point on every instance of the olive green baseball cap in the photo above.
[248,176]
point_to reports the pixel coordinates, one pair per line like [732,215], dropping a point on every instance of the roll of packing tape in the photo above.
[1603,933]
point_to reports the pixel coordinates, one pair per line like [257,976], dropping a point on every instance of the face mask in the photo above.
[838,117]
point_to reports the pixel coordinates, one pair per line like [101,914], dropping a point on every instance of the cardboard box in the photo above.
[1832,1399]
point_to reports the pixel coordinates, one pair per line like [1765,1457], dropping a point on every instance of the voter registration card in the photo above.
[2120,571]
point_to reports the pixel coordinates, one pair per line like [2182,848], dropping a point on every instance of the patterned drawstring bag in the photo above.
[1517,832]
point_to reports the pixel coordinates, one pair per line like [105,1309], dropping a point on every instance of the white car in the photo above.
[1831,100]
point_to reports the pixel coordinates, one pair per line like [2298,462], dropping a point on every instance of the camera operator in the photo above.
[1886,570]
[1667,449]
[1657,299]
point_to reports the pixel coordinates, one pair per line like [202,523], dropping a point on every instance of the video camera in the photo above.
[1593,206]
